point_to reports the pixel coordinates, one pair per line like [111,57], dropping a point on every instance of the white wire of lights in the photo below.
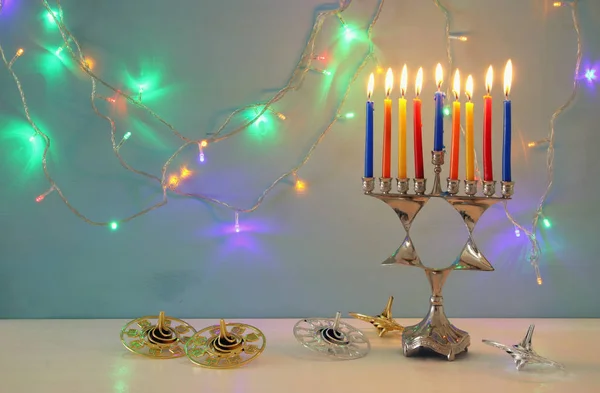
[535,252]
[304,65]
[531,234]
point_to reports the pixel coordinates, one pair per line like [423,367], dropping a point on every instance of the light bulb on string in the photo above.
[299,184]
[201,146]
[184,172]
[141,89]
[237,222]
[458,37]
[173,181]
[517,231]
[18,54]
[113,225]
[324,72]
[41,197]
[89,63]
[319,57]
[346,116]
[538,143]
[51,16]
[547,223]
[590,75]
[125,137]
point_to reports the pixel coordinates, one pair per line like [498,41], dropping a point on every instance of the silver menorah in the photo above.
[435,332]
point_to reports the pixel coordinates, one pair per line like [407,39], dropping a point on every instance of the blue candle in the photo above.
[369,131]
[506,147]
[438,130]
[507,142]
[369,141]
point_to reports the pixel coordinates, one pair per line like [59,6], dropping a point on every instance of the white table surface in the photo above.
[86,356]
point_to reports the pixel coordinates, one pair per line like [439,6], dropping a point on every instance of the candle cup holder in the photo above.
[489,188]
[471,187]
[435,333]
[508,188]
[385,185]
[437,159]
[402,186]
[420,186]
[368,184]
[453,186]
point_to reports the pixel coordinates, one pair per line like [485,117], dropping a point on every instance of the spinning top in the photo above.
[216,347]
[383,322]
[332,337]
[523,353]
[157,337]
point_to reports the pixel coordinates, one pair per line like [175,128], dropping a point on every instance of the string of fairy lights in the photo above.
[531,233]
[310,61]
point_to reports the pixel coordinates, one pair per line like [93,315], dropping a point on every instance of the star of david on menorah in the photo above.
[435,332]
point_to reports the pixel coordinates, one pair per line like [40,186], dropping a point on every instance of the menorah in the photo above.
[435,332]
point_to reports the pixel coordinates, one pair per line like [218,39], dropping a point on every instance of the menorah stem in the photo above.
[437,279]
[435,332]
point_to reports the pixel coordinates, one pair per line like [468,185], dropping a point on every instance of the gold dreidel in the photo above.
[383,322]
[217,347]
[158,337]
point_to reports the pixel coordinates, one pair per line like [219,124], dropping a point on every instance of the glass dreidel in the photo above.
[523,353]
[158,337]
[332,337]
[227,345]
[383,322]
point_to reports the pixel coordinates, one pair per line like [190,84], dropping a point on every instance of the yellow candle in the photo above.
[469,145]
[402,126]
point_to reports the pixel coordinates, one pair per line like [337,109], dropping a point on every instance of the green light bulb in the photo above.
[446,111]
[127,135]
[350,115]
[547,223]
[349,33]
[114,225]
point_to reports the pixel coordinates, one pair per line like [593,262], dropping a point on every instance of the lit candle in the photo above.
[402,126]
[506,147]
[369,130]
[469,143]
[488,171]
[438,130]
[418,134]
[387,127]
[455,128]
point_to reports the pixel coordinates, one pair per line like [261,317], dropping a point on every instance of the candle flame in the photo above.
[439,76]
[371,85]
[488,79]
[389,81]
[456,84]
[507,77]
[403,80]
[419,82]
[469,89]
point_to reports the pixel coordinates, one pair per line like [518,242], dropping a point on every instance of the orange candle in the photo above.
[455,129]
[386,157]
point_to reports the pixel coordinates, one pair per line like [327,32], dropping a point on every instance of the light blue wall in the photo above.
[297,255]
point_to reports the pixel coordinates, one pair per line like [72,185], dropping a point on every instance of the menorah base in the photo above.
[436,334]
